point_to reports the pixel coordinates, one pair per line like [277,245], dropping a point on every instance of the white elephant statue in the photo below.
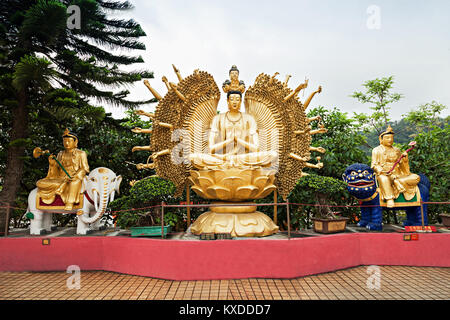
[99,188]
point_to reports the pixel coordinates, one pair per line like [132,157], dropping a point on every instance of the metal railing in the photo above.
[164,205]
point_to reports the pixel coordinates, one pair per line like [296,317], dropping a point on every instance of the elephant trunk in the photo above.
[100,209]
[96,200]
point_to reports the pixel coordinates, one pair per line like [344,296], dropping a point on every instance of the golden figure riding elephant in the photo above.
[68,188]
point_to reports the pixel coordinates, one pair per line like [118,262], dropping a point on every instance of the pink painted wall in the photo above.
[28,254]
[431,250]
[223,259]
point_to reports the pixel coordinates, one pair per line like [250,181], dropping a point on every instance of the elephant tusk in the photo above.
[96,200]
[99,212]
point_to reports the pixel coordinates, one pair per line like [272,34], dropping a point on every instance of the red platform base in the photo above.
[223,259]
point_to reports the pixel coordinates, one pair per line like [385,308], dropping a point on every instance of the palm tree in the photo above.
[38,53]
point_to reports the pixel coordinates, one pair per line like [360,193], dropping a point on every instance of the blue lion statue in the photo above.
[361,183]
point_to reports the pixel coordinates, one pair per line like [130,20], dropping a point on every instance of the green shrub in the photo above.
[141,206]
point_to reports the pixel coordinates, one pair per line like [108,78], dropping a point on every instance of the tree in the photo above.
[430,157]
[403,133]
[426,116]
[379,95]
[342,142]
[107,141]
[40,54]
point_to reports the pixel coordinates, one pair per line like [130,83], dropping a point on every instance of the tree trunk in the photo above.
[324,210]
[395,216]
[14,162]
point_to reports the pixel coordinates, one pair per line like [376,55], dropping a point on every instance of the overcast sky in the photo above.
[336,44]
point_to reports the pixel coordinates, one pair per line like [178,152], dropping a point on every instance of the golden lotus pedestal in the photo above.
[239,221]
[231,186]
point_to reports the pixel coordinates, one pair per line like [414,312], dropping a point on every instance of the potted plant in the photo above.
[445,219]
[323,189]
[329,223]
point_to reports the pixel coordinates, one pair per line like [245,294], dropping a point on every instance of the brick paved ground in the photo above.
[396,283]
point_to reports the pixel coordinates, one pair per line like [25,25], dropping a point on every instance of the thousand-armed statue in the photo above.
[232,157]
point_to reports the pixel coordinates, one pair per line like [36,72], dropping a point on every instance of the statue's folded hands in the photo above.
[239,146]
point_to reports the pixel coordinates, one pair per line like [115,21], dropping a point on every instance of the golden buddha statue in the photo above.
[399,180]
[236,133]
[57,181]
[232,158]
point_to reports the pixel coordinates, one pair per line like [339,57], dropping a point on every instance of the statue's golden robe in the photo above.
[236,155]
[244,128]
[401,179]
[57,183]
